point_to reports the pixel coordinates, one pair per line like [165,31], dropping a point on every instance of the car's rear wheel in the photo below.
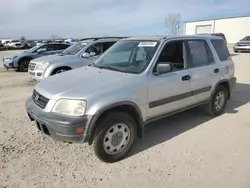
[218,101]
[116,137]
[23,65]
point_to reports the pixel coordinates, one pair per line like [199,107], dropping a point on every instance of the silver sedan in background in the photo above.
[243,45]
[78,55]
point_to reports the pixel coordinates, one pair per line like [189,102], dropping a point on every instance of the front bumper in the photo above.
[59,127]
[36,74]
[8,63]
[242,48]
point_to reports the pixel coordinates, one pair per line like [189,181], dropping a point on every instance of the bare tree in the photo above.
[22,38]
[173,23]
[53,37]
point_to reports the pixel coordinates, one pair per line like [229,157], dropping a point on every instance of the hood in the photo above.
[54,58]
[18,55]
[82,82]
[243,42]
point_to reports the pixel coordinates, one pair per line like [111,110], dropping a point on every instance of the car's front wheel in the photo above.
[60,70]
[218,101]
[116,137]
[23,65]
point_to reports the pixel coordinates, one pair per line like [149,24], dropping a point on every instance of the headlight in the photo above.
[70,107]
[42,66]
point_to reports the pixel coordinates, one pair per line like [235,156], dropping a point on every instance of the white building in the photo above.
[233,28]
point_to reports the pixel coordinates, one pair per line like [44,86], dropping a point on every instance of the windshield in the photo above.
[15,41]
[32,49]
[246,38]
[74,49]
[128,56]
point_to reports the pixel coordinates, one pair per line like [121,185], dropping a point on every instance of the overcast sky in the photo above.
[81,18]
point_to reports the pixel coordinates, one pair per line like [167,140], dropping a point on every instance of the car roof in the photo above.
[55,43]
[163,37]
[101,39]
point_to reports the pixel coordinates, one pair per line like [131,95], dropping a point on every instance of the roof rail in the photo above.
[97,38]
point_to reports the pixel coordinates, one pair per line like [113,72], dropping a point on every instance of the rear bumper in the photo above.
[59,127]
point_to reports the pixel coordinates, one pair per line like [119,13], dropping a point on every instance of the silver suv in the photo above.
[137,81]
[78,55]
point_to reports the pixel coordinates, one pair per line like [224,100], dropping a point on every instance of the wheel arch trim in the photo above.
[92,125]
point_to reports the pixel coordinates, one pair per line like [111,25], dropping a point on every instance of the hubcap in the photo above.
[24,65]
[219,101]
[60,71]
[116,139]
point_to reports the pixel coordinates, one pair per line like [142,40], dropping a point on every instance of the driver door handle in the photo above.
[216,70]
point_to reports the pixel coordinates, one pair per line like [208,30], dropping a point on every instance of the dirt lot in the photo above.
[186,150]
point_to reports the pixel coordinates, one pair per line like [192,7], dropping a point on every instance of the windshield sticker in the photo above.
[84,43]
[147,44]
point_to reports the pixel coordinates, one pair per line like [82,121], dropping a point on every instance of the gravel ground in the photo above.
[186,150]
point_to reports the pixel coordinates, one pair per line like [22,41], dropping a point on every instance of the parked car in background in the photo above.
[14,44]
[21,61]
[5,41]
[243,45]
[1,46]
[78,55]
[70,41]
[29,44]
[137,81]
[59,40]
[5,44]
[39,42]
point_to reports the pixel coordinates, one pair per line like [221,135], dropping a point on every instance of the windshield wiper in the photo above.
[92,64]
[110,68]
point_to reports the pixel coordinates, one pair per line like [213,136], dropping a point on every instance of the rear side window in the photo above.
[221,49]
[199,53]
[107,45]
[60,46]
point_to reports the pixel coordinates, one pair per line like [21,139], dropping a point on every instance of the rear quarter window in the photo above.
[221,49]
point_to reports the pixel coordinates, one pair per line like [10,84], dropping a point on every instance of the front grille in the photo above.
[32,66]
[39,99]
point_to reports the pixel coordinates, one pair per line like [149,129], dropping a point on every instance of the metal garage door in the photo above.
[203,29]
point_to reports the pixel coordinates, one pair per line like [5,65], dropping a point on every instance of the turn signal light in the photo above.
[79,130]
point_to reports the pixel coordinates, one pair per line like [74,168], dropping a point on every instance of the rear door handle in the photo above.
[185,78]
[216,70]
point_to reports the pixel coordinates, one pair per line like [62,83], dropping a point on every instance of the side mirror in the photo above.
[85,55]
[163,68]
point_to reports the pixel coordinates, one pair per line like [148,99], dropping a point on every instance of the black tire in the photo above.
[60,70]
[211,106]
[105,126]
[23,65]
